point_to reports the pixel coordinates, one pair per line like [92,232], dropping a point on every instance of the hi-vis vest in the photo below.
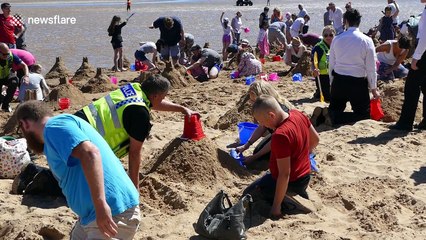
[5,70]
[323,62]
[106,115]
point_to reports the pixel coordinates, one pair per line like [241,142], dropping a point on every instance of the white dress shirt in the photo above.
[421,35]
[353,54]
[337,18]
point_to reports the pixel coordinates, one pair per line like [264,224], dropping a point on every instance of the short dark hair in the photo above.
[352,17]
[155,84]
[404,42]
[5,5]
[265,9]
[195,47]
[33,110]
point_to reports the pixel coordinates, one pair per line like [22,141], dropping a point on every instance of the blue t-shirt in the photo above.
[62,134]
[170,36]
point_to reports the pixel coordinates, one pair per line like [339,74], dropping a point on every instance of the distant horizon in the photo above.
[88,3]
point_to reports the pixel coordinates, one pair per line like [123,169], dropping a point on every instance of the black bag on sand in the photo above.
[220,222]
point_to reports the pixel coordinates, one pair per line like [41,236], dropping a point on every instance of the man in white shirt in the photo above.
[352,70]
[336,17]
[415,83]
[302,12]
[392,4]
[297,26]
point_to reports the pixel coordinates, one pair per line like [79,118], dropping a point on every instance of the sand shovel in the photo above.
[131,15]
[317,78]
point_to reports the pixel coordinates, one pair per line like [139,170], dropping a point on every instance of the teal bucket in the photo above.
[245,130]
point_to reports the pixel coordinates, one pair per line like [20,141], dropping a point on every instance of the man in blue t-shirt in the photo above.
[171,32]
[91,177]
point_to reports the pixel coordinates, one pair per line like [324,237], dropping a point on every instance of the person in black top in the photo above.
[263,17]
[171,32]
[114,30]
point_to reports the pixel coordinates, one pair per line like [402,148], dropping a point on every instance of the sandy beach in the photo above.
[371,183]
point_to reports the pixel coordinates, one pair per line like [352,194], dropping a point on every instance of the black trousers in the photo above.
[325,86]
[415,83]
[12,83]
[349,89]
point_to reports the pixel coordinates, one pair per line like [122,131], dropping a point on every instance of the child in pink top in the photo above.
[262,40]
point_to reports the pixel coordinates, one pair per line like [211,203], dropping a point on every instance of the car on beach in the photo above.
[244,3]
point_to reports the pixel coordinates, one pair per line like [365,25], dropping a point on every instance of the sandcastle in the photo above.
[100,83]
[177,75]
[58,70]
[85,72]
[303,65]
[66,90]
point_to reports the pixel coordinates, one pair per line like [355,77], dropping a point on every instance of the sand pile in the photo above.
[240,113]
[193,162]
[177,75]
[85,72]
[58,70]
[182,166]
[100,83]
[392,97]
[303,65]
[69,91]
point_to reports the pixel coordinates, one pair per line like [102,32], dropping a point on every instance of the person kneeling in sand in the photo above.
[204,57]
[294,137]
[294,52]
[147,48]
[262,152]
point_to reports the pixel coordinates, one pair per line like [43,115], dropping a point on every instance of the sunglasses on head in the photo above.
[328,35]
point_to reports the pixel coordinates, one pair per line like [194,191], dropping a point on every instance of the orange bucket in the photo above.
[192,128]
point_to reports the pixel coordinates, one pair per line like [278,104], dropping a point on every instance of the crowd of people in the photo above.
[345,63]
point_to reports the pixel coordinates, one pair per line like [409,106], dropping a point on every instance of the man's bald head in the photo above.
[4,47]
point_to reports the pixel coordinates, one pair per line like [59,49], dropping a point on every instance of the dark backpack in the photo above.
[220,222]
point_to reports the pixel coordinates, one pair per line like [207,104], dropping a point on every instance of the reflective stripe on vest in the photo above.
[106,115]
[323,62]
[5,70]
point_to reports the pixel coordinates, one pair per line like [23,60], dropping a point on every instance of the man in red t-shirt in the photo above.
[8,25]
[292,141]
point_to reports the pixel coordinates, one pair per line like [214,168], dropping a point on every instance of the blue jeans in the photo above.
[401,72]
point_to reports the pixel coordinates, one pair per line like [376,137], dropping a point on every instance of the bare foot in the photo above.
[123,69]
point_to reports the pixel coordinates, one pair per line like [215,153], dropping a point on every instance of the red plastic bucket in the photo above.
[64,103]
[376,111]
[276,58]
[192,128]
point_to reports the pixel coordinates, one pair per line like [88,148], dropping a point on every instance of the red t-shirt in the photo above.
[291,139]
[7,29]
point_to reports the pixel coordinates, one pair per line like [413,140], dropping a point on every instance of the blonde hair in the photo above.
[264,88]
[329,28]
[36,68]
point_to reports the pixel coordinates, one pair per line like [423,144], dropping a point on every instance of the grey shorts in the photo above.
[127,222]
[172,51]
[277,37]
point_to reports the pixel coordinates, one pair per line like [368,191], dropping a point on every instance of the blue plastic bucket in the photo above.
[297,77]
[250,80]
[245,130]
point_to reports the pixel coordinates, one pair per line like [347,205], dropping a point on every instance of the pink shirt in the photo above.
[25,56]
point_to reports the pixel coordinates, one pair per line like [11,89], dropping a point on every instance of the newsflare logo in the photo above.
[54,20]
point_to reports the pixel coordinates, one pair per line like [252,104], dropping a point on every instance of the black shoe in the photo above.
[316,118]
[421,125]
[327,117]
[400,127]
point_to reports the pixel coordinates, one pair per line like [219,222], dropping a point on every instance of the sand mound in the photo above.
[85,72]
[392,97]
[69,91]
[240,113]
[100,83]
[58,70]
[177,76]
[303,65]
[162,197]
[194,162]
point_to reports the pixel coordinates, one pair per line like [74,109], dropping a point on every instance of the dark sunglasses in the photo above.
[328,35]
[5,54]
